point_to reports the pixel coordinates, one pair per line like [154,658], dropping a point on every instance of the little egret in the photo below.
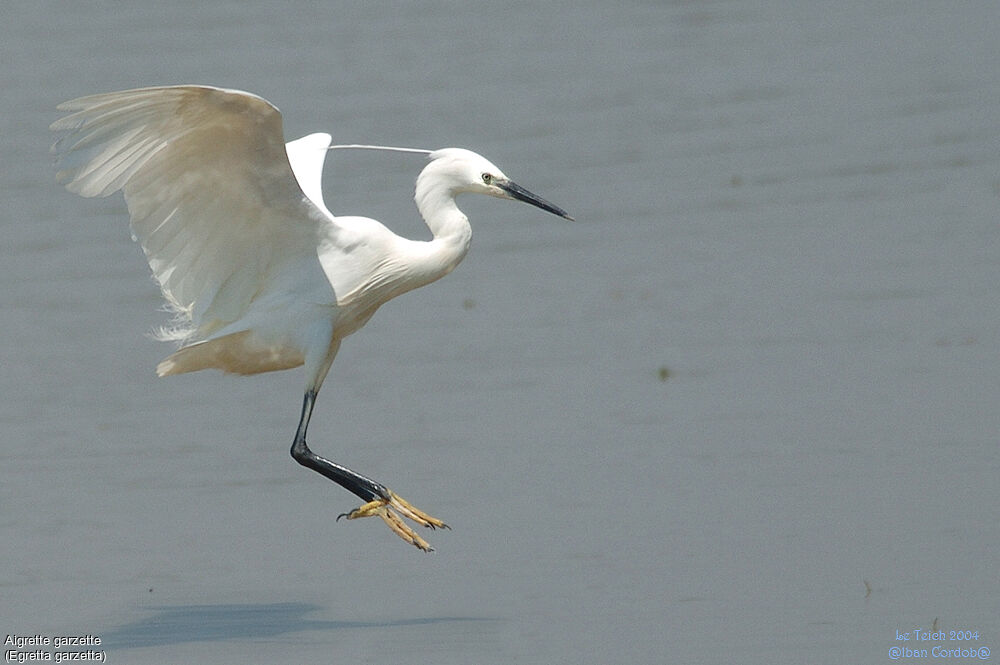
[261,275]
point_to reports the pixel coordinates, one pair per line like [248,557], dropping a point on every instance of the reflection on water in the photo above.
[198,623]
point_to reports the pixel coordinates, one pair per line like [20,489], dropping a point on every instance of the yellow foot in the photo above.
[387,510]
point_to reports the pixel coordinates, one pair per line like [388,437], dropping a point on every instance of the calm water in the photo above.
[788,210]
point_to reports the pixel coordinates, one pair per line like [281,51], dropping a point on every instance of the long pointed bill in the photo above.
[521,194]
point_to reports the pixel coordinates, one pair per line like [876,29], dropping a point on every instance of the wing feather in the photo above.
[212,197]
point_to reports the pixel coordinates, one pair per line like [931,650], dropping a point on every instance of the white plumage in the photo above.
[262,276]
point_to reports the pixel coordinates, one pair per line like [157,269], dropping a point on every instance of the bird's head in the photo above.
[465,171]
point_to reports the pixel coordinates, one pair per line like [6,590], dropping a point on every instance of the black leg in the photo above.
[366,488]
[379,499]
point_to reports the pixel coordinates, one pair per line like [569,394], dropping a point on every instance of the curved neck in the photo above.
[432,260]
[436,202]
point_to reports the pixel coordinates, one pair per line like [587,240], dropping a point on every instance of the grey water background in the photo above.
[760,370]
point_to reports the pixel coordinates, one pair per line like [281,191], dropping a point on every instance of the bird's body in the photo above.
[357,265]
[232,220]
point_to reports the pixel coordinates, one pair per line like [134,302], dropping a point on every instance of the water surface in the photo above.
[759,371]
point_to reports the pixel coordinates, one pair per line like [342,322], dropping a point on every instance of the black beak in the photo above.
[521,194]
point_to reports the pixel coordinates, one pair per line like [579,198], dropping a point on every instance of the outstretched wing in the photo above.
[212,197]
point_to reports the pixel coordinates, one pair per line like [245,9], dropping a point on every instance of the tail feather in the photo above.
[236,353]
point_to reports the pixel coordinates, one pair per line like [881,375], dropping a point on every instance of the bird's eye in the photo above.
[488,178]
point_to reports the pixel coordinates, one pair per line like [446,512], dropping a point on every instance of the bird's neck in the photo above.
[449,225]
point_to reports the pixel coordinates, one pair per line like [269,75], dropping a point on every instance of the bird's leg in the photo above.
[366,488]
[379,499]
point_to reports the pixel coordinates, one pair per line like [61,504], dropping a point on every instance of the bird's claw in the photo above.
[387,509]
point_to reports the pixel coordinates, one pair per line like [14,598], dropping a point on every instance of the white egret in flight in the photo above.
[261,275]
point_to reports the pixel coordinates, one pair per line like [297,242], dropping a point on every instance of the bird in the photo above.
[259,274]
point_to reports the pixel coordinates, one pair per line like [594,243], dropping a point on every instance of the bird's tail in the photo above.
[236,353]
